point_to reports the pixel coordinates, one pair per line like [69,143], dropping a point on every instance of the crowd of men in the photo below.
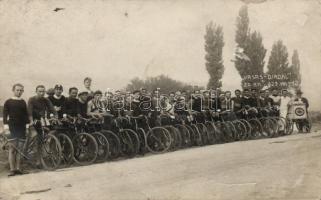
[19,115]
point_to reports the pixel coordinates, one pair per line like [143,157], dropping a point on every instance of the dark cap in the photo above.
[58,87]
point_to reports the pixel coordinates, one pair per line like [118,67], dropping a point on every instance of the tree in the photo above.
[278,61]
[242,27]
[250,52]
[165,83]
[214,47]
[278,65]
[135,84]
[295,68]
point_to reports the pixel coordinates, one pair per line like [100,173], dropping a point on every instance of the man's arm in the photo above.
[306,102]
[30,109]
[5,115]
[51,108]
[27,120]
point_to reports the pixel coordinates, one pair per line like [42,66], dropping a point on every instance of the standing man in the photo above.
[237,102]
[87,84]
[302,123]
[58,100]
[285,99]
[15,119]
[39,108]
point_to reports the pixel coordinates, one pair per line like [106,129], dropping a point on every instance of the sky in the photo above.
[113,41]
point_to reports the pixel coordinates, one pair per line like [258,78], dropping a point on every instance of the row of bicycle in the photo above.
[82,141]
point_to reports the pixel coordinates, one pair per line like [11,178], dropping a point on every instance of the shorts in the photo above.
[17,131]
[16,144]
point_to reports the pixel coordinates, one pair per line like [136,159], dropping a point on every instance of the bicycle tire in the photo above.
[158,140]
[50,146]
[103,146]
[67,148]
[114,144]
[86,149]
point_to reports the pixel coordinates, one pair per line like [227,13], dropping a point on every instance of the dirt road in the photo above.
[280,168]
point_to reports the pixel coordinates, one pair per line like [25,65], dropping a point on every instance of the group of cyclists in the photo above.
[18,115]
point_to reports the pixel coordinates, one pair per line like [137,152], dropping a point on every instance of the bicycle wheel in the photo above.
[103,146]
[127,146]
[219,130]
[211,133]
[248,129]
[50,154]
[240,129]
[233,135]
[158,140]
[85,149]
[114,144]
[185,135]
[142,138]
[256,128]
[289,125]
[268,127]
[196,136]
[277,126]
[203,131]
[67,149]
[135,139]
[175,137]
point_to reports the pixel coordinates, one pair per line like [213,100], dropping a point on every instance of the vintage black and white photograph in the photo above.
[160,99]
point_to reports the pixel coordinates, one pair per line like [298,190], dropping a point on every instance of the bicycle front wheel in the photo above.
[50,154]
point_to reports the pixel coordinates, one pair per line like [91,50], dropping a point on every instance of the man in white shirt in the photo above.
[285,99]
[87,84]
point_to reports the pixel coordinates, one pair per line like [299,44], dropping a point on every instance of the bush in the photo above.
[315,116]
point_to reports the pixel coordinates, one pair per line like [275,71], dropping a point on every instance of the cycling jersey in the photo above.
[71,107]
[38,107]
[227,104]
[276,100]
[237,103]
[58,102]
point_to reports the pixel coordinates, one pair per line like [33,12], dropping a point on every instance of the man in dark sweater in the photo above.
[71,104]
[58,100]
[15,120]
[82,104]
[39,108]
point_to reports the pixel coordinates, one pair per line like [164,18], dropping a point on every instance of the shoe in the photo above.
[12,173]
[21,172]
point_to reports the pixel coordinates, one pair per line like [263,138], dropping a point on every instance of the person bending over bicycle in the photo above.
[15,120]
[39,108]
